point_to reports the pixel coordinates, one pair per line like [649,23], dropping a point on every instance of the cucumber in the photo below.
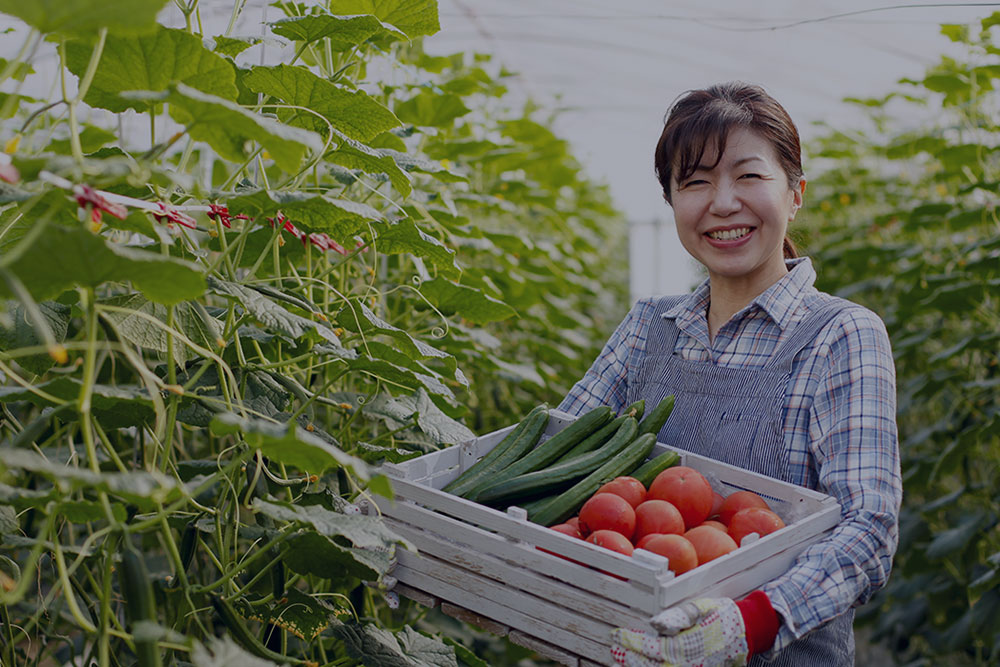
[242,635]
[648,471]
[635,410]
[548,451]
[593,441]
[559,474]
[562,506]
[521,439]
[140,605]
[655,420]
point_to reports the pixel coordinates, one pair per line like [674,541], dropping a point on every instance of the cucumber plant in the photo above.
[231,285]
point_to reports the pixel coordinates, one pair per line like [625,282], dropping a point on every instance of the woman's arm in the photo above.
[855,446]
[605,383]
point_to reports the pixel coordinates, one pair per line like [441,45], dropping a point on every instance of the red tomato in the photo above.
[678,550]
[754,520]
[567,529]
[606,511]
[718,525]
[628,488]
[688,491]
[709,543]
[575,522]
[609,539]
[738,500]
[657,516]
[717,501]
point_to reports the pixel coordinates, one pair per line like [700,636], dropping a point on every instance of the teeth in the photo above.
[729,234]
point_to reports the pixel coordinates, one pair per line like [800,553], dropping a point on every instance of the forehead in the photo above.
[742,146]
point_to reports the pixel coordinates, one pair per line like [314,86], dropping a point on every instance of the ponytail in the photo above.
[789,249]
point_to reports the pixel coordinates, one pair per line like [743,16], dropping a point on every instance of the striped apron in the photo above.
[736,415]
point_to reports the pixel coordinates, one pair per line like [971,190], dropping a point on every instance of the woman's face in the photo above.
[732,218]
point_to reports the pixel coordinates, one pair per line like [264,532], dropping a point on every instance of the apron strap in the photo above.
[805,333]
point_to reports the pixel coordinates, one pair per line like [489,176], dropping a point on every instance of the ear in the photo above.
[798,196]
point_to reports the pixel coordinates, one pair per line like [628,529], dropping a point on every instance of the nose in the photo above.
[725,201]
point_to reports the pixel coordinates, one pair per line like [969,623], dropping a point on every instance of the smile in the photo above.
[729,234]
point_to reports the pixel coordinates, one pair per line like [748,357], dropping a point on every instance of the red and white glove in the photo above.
[706,632]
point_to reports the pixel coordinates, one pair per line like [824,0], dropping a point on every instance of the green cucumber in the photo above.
[593,441]
[635,410]
[140,605]
[648,471]
[655,420]
[548,451]
[242,635]
[533,482]
[562,506]
[524,436]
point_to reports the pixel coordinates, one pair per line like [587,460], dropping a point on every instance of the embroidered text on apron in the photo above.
[736,415]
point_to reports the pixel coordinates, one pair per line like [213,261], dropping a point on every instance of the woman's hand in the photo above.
[705,631]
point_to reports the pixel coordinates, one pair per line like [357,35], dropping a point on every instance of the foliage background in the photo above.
[193,397]
[905,220]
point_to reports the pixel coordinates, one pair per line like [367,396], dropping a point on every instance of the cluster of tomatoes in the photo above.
[679,516]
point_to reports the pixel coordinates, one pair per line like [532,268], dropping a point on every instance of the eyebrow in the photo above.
[739,162]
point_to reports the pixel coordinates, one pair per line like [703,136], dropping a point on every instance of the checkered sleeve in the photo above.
[606,382]
[854,442]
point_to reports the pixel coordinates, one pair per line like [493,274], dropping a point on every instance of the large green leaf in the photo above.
[132,326]
[404,236]
[271,314]
[468,302]
[22,332]
[414,17]
[232,130]
[429,109]
[144,489]
[364,532]
[352,112]
[151,63]
[406,648]
[340,218]
[356,155]
[86,17]
[343,32]
[397,410]
[310,553]
[289,444]
[360,318]
[114,407]
[65,257]
[302,615]
[224,652]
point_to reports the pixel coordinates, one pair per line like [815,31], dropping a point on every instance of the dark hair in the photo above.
[703,118]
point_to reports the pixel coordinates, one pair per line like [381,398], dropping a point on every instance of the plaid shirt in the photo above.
[839,428]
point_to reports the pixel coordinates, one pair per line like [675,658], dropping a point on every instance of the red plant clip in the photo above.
[169,215]
[287,225]
[324,242]
[94,202]
[217,211]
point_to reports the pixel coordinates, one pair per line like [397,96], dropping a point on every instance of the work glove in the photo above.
[707,632]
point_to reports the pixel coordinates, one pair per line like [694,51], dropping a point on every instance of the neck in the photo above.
[728,296]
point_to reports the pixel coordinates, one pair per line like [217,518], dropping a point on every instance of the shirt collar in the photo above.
[779,301]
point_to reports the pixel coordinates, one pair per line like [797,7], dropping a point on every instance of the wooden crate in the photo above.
[490,563]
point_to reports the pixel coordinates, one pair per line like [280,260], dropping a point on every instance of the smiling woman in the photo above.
[770,375]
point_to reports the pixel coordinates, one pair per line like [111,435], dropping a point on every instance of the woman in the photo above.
[770,375]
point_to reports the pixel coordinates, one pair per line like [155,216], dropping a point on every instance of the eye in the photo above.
[750,175]
[693,181]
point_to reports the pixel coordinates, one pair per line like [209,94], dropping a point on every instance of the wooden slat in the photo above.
[495,601]
[472,618]
[544,648]
[479,515]
[527,556]
[420,597]
[582,601]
